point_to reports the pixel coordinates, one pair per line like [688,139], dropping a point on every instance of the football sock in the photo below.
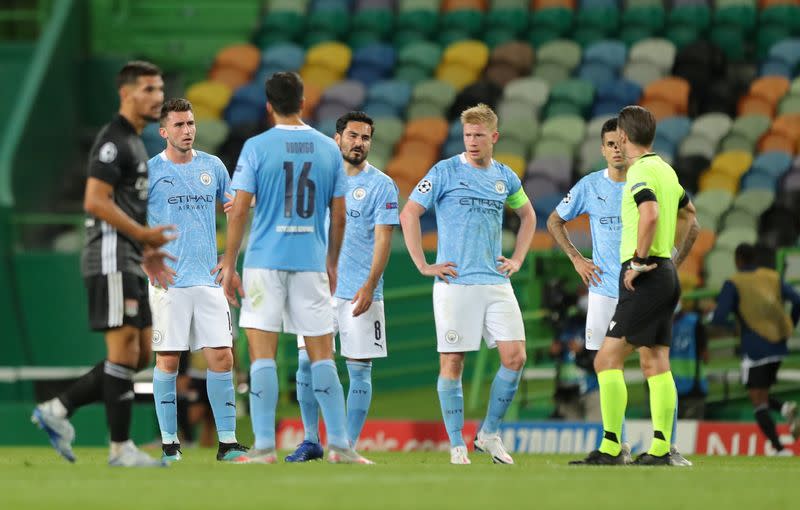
[358,397]
[86,390]
[164,395]
[662,409]
[118,398]
[613,400]
[309,409]
[504,387]
[451,399]
[263,401]
[223,404]
[330,396]
[767,426]
[674,438]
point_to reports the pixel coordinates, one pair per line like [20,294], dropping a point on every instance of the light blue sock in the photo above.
[330,396]
[504,387]
[309,409]
[263,401]
[451,399]
[219,386]
[164,395]
[358,398]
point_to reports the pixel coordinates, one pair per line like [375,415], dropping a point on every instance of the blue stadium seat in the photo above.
[775,67]
[674,129]
[246,105]
[607,52]
[758,180]
[596,73]
[284,57]
[774,163]
[392,92]
[621,91]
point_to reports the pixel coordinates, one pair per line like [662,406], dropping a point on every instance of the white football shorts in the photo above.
[190,318]
[599,313]
[362,337]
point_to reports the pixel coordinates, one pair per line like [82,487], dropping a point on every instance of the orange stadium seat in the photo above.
[231,76]
[671,89]
[704,242]
[660,108]
[421,149]
[313,95]
[771,88]
[776,142]
[542,240]
[755,105]
[245,57]
[434,130]
[430,241]
[544,4]
[455,5]
[788,125]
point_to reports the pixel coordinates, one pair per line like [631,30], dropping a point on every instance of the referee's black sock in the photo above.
[775,404]
[767,426]
[118,396]
[86,390]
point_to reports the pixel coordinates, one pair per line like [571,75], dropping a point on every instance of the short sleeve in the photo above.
[514,184]
[223,182]
[104,163]
[637,180]
[244,177]
[339,181]
[574,203]
[428,189]
[386,212]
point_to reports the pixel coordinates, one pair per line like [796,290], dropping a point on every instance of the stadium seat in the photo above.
[642,72]
[751,127]
[758,181]
[557,20]
[516,54]
[672,89]
[532,91]
[568,128]
[674,129]
[432,130]
[456,75]
[510,145]
[608,52]
[519,126]
[755,201]
[348,93]
[697,145]
[714,126]
[777,142]
[209,98]
[471,55]
[551,73]
[210,135]
[660,52]
[787,125]
[551,148]
[423,54]
[287,56]
[335,56]
[789,104]
[565,53]
[557,169]
[388,130]
[732,163]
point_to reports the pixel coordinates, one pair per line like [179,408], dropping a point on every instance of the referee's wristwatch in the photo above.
[638,264]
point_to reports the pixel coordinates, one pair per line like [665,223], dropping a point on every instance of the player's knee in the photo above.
[219,360]
[168,362]
[451,366]
[516,360]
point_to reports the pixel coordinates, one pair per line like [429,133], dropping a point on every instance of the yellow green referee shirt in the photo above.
[650,178]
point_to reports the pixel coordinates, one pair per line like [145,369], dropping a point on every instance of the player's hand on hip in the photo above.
[218,270]
[441,271]
[332,278]
[508,266]
[154,264]
[231,284]
[227,206]
[159,235]
[588,271]
[362,300]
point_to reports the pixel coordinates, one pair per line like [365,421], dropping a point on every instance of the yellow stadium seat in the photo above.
[514,162]
[210,96]
[732,163]
[320,76]
[469,54]
[713,180]
[456,75]
[332,55]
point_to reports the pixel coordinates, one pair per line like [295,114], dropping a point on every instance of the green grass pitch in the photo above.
[34,477]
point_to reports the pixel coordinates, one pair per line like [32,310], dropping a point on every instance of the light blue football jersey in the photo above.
[469,204]
[371,200]
[186,195]
[294,172]
[601,198]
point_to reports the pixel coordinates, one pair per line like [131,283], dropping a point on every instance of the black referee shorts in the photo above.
[644,316]
[760,377]
[118,299]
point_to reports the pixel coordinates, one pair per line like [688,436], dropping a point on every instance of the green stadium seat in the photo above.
[642,72]
[329,21]
[508,145]
[422,21]
[210,135]
[532,91]
[794,87]
[358,39]
[448,37]
[736,142]
[437,93]
[540,37]
[510,4]
[697,145]
[380,21]
[545,148]
[514,21]
[713,126]
[423,54]
[520,126]
[287,23]
[714,201]
[563,52]
[730,238]
[785,15]
[741,17]
[632,35]
[557,19]
[767,37]
[594,126]
[388,130]
[755,201]
[586,36]
[604,19]
[551,73]
[561,108]
[412,74]
[497,37]
[660,52]
[315,38]
[730,40]
[681,36]
[575,91]
[651,17]
[298,6]
[751,126]
[789,104]
[739,219]
[464,20]
[719,266]
[695,16]
[568,128]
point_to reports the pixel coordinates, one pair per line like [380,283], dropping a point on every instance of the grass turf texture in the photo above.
[37,478]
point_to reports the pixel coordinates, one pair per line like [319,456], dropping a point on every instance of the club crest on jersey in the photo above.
[452,337]
[205,178]
[108,152]
[131,308]
[359,193]
[424,186]
[500,187]
[568,198]
[158,337]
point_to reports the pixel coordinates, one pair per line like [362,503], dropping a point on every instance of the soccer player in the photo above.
[757,296]
[472,295]
[186,186]
[656,215]
[599,195]
[371,200]
[296,173]
[118,248]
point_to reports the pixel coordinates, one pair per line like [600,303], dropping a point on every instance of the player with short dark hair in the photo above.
[371,200]
[118,247]
[656,215]
[296,174]
[186,187]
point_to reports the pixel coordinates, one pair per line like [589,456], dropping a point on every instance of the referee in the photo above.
[118,247]
[656,215]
